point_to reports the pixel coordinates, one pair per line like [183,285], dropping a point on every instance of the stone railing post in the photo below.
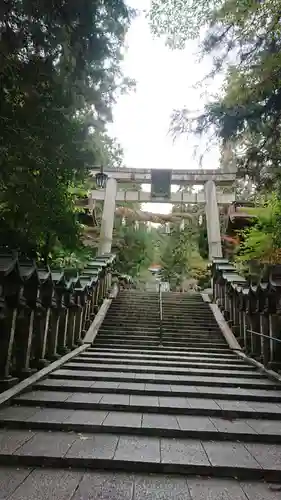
[252,309]
[43,313]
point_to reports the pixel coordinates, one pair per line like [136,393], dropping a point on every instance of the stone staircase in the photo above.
[189,406]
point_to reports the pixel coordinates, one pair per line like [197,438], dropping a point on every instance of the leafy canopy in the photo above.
[60,71]
[243,38]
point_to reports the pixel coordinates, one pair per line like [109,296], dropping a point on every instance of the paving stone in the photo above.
[118,375]
[261,491]
[229,454]
[10,479]
[93,446]
[152,487]
[184,389]
[183,451]
[115,399]
[12,440]
[86,417]
[138,449]
[160,376]
[46,484]
[53,382]
[262,426]
[85,397]
[131,386]
[235,406]
[173,402]
[232,426]
[266,407]
[225,381]
[17,413]
[150,376]
[206,404]
[224,390]
[158,421]
[45,396]
[215,489]
[260,392]
[54,444]
[50,415]
[195,423]
[123,419]
[105,486]
[145,401]
[267,455]
[72,373]
[158,387]
[106,384]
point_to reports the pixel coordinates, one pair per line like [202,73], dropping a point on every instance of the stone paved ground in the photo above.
[70,484]
[133,407]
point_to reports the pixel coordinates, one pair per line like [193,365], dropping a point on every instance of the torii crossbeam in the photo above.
[161,181]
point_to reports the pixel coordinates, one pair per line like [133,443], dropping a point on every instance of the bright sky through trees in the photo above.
[164,82]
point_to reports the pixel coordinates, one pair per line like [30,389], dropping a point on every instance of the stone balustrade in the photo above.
[252,308]
[45,313]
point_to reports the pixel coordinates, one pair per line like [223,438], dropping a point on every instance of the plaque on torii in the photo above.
[161,184]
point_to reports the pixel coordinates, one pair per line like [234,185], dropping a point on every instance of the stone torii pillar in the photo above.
[213,221]
[108,215]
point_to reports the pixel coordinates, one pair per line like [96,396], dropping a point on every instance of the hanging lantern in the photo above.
[101,178]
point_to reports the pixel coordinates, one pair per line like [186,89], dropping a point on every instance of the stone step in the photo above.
[141,423]
[206,335]
[149,337]
[104,335]
[184,315]
[148,328]
[146,453]
[190,380]
[76,365]
[158,389]
[170,325]
[169,332]
[110,340]
[162,362]
[151,404]
[182,308]
[65,484]
[167,335]
[154,319]
[160,351]
[222,349]
[96,353]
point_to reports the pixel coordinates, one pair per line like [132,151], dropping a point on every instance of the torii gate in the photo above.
[161,181]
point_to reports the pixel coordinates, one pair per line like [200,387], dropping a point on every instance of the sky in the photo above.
[164,81]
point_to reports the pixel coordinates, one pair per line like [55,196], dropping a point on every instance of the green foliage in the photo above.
[66,259]
[203,245]
[244,39]
[179,21]
[177,254]
[261,241]
[60,71]
[135,250]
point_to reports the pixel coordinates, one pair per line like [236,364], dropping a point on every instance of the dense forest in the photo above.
[60,76]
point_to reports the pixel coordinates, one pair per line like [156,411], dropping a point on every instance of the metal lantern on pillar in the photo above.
[101,178]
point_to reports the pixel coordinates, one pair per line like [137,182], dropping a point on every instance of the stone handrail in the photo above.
[252,308]
[45,313]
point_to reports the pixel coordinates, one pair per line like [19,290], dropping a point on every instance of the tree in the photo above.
[135,250]
[244,39]
[262,240]
[176,255]
[60,70]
